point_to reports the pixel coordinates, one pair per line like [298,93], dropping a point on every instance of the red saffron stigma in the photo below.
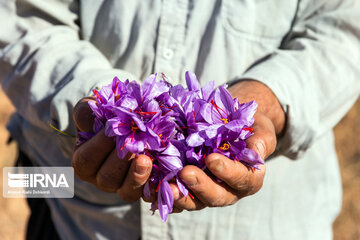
[203,158]
[148,154]
[191,195]
[116,86]
[162,140]
[248,129]
[217,109]
[166,112]
[126,142]
[132,137]
[158,187]
[170,108]
[97,95]
[187,127]
[145,113]
[194,115]
[232,155]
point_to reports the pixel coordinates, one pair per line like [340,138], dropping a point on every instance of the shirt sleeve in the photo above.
[315,73]
[45,67]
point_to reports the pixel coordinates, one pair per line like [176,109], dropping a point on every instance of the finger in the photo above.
[138,174]
[263,141]
[88,157]
[112,172]
[207,190]
[245,180]
[182,202]
[83,115]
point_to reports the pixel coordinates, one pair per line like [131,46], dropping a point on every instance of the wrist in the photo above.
[268,104]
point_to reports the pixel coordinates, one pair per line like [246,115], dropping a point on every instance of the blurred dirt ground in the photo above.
[14,212]
[347,133]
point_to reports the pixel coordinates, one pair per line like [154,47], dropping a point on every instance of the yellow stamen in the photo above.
[225,120]
[224,147]
[134,127]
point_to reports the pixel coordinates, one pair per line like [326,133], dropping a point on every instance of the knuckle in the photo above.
[251,143]
[217,202]
[218,199]
[270,142]
[234,199]
[117,172]
[81,115]
[183,203]
[79,159]
[136,181]
[256,184]
[241,184]
[78,163]
[106,182]
[253,189]
[242,181]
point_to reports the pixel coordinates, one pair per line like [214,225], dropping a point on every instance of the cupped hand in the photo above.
[237,180]
[96,161]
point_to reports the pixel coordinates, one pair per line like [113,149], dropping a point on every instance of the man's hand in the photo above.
[238,181]
[96,161]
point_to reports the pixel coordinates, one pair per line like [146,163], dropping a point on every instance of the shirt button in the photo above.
[168,53]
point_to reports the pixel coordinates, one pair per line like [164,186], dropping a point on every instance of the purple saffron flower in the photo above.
[152,89]
[223,114]
[167,164]
[237,150]
[165,195]
[163,127]
[194,86]
[131,133]
[196,155]
[174,126]
[84,136]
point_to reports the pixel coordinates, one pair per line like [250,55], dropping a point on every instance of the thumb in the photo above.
[83,115]
[264,139]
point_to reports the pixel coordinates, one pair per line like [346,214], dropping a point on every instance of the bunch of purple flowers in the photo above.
[174,126]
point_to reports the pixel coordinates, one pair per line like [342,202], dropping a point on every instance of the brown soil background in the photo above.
[14,212]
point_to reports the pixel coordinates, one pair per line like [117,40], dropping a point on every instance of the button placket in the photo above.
[168,53]
[170,38]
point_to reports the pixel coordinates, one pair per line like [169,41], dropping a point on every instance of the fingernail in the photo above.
[141,169]
[261,148]
[190,181]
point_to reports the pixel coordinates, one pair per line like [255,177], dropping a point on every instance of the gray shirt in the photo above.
[54,52]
